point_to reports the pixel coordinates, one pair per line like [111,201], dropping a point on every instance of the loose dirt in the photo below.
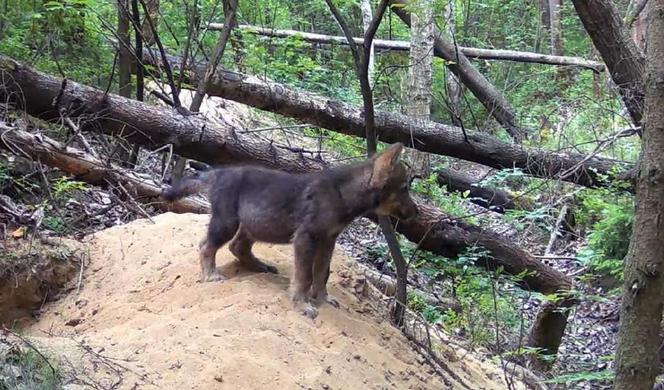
[142,320]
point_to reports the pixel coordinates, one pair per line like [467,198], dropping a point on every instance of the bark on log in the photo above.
[390,45]
[429,136]
[222,144]
[624,60]
[45,97]
[494,101]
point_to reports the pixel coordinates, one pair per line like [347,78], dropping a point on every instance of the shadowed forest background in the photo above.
[528,125]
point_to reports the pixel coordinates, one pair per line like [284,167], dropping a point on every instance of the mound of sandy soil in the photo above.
[142,320]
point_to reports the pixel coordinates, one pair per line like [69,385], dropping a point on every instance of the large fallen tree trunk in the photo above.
[384,44]
[622,57]
[424,135]
[490,198]
[495,103]
[91,169]
[428,136]
[47,97]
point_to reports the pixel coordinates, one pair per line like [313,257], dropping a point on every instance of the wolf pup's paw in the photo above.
[214,276]
[267,268]
[307,309]
[320,298]
[332,301]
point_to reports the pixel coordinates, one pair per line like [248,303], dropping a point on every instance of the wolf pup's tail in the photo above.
[187,186]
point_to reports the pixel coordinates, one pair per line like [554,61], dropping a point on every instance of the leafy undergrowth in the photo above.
[24,367]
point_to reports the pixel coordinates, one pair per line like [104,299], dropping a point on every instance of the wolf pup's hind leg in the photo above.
[241,245]
[220,230]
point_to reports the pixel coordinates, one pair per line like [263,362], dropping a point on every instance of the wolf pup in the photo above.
[250,204]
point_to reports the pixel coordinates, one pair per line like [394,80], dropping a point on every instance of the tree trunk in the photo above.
[639,32]
[153,10]
[140,71]
[389,45]
[452,85]
[623,59]
[417,93]
[494,102]
[224,144]
[637,362]
[547,332]
[545,14]
[556,28]
[125,61]
[636,22]
[124,49]
[365,8]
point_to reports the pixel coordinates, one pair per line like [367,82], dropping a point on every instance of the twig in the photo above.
[556,228]
[135,204]
[29,344]
[80,277]
[77,133]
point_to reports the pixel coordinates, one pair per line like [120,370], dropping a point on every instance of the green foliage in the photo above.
[451,203]
[63,188]
[483,302]
[568,379]
[610,217]
[23,368]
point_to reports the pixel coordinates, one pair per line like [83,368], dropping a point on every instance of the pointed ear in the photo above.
[383,165]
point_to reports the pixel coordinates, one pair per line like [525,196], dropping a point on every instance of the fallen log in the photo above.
[223,143]
[428,136]
[486,197]
[424,135]
[385,44]
[91,169]
[490,198]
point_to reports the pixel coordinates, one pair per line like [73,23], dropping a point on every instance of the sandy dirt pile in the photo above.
[142,318]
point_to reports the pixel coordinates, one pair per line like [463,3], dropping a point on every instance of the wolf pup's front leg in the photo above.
[321,273]
[305,249]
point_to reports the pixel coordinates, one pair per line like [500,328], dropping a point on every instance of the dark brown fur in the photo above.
[251,204]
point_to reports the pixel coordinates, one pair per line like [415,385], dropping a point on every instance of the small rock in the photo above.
[74,322]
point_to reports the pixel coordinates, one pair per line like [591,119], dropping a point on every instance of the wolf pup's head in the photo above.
[390,179]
